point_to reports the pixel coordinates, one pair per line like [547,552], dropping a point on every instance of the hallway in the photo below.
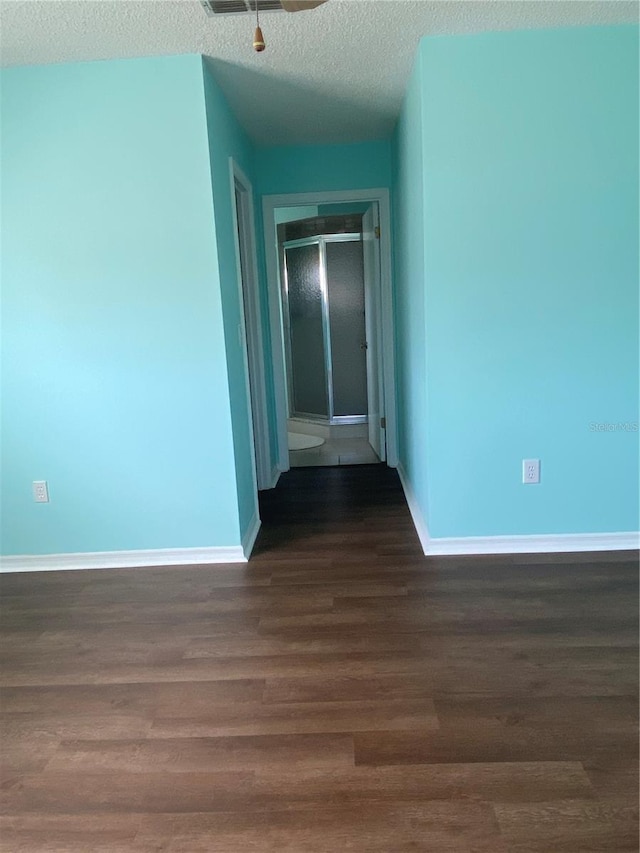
[339,692]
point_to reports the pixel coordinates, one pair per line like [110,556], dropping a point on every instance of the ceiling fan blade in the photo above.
[300,5]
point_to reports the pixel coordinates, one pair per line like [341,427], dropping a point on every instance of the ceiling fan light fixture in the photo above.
[233,7]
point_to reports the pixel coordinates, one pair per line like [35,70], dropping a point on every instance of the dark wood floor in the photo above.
[339,693]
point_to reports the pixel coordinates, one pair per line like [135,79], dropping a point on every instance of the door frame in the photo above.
[387,366]
[373,334]
[250,330]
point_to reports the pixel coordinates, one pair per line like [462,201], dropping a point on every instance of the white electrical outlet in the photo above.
[530,471]
[40,492]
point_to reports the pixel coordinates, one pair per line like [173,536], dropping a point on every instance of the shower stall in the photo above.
[325,344]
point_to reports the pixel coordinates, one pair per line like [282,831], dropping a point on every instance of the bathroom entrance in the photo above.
[328,258]
[324,263]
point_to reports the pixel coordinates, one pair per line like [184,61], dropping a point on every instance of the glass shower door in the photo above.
[305,313]
[325,330]
[347,332]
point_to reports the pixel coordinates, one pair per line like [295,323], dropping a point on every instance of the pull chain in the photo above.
[258,38]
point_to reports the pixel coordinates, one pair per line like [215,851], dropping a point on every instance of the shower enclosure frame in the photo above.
[321,241]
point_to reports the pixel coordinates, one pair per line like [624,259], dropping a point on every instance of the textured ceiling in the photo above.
[335,74]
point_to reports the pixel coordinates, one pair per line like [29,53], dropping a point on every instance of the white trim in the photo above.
[250,535]
[269,204]
[419,521]
[277,340]
[123,559]
[544,544]
[275,476]
[251,330]
[388,329]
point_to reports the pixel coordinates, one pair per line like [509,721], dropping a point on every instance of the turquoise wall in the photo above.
[227,139]
[323,168]
[292,214]
[113,359]
[530,192]
[343,209]
[409,289]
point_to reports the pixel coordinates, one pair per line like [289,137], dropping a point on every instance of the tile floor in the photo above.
[335,451]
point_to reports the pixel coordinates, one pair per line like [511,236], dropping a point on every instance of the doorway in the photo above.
[329,302]
[250,325]
[325,339]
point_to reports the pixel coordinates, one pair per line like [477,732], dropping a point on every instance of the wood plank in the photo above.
[448,827]
[384,687]
[213,669]
[53,833]
[127,793]
[302,718]
[205,754]
[510,781]
[489,742]
[151,698]
[568,825]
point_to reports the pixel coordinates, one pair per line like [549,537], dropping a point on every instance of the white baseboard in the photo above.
[535,544]
[249,538]
[122,559]
[543,544]
[419,521]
